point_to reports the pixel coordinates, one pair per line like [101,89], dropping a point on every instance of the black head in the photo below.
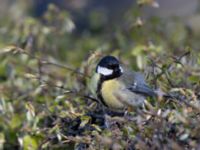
[109,67]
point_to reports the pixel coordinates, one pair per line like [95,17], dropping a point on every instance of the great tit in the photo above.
[117,87]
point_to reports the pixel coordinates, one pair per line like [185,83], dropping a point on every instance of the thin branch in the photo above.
[182,100]
[45,62]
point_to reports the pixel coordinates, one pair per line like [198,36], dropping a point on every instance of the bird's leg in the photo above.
[106,122]
[127,113]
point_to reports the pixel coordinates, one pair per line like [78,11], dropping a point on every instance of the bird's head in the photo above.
[109,68]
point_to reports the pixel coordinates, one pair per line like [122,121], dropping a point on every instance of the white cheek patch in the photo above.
[104,71]
[121,69]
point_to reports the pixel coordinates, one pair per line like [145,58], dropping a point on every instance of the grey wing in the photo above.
[139,77]
[142,89]
[136,83]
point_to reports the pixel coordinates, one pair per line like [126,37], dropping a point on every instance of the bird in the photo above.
[117,87]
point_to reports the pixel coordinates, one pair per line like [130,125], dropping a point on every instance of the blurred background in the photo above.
[62,27]
[47,48]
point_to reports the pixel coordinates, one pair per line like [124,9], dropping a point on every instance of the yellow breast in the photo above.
[109,88]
